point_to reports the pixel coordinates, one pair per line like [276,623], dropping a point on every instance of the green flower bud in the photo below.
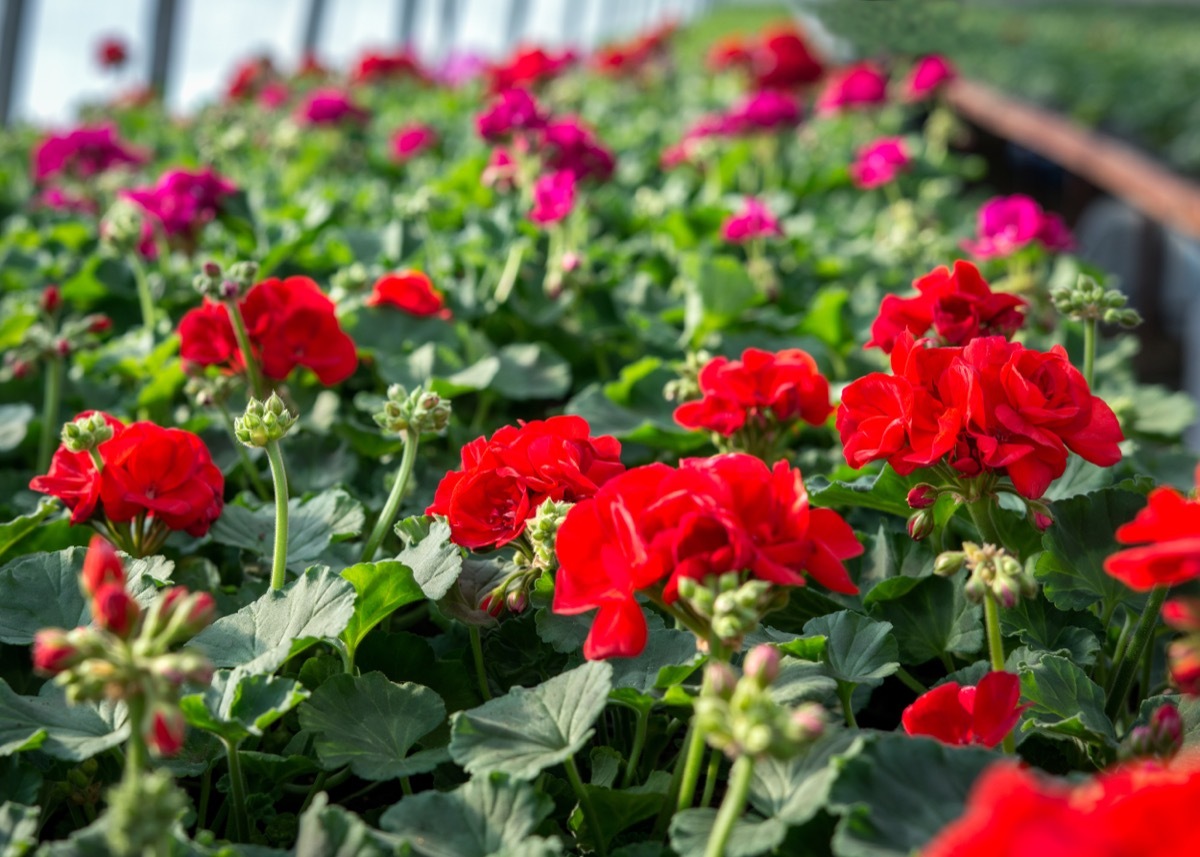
[142,811]
[86,433]
[423,411]
[949,563]
[262,423]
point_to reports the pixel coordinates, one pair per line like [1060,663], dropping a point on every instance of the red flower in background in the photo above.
[729,52]
[762,386]
[783,60]
[112,52]
[376,66]
[528,67]
[928,75]
[504,478]
[290,323]
[959,306]
[1168,530]
[410,291]
[861,85]
[249,77]
[101,566]
[654,525]
[72,476]
[953,714]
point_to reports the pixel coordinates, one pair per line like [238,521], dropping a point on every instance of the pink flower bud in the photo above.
[1184,665]
[212,269]
[54,652]
[114,610]
[570,261]
[1042,521]
[51,299]
[516,601]
[63,348]
[762,664]
[100,324]
[920,525]
[922,496]
[1182,614]
[20,368]
[1166,729]
[720,679]
[101,567]
[166,730]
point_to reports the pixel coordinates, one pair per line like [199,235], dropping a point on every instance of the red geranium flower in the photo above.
[411,291]
[528,67]
[654,525]
[112,52]
[785,387]
[504,478]
[783,60]
[1170,527]
[375,66]
[959,306]
[72,476]
[954,714]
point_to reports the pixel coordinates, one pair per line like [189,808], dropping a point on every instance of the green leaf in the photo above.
[483,817]
[47,723]
[718,291]
[313,525]
[1072,567]
[665,647]
[620,809]
[370,724]
[898,792]
[18,528]
[436,562]
[690,831]
[802,681]
[529,729]
[237,705]
[262,635]
[333,832]
[930,617]
[797,789]
[531,370]
[14,424]
[1080,477]
[1039,625]
[886,491]
[858,650]
[1065,702]
[381,588]
[18,828]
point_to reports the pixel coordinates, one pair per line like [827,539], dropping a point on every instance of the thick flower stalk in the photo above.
[1090,303]
[263,425]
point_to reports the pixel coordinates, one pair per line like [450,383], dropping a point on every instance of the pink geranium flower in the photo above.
[179,205]
[1006,224]
[880,162]
[927,76]
[553,197]
[861,85]
[331,107]
[767,110]
[412,140]
[755,220]
[82,153]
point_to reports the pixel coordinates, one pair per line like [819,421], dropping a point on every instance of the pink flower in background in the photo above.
[509,112]
[61,200]
[553,197]
[767,110]
[753,221]
[1008,223]
[82,153]
[274,95]
[501,170]
[880,162]
[331,107]
[460,68]
[927,76]
[412,140]
[180,204]
[860,85]
[568,144]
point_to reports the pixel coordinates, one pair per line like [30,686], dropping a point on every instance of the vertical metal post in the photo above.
[165,12]
[448,28]
[518,18]
[407,17]
[312,26]
[10,43]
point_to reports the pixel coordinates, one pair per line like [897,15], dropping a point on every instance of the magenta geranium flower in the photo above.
[880,162]
[927,77]
[331,107]
[568,144]
[82,153]
[553,197]
[1006,224]
[861,85]
[179,205]
[755,220]
[768,110]
[412,140]
[509,112]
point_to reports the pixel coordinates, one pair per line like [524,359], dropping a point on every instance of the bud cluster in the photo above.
[1087,300]
[127,652]
[142,812]
[229,285]
[263,422]
[52,338]
[207,391]
[86,433]
[687,386]
[121,227]
[1183,654]
[991,569]
[740,718]
[531,562]
[730,607]
[422,411]
[1161,738]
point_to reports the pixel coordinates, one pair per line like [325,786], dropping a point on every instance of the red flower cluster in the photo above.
[164,474]
[528,67]
[630,58]
[290,323]
[376,66]
[1170,527]
[410,291]
[954,714]
[654,525]
[1143,809]
[506,477]
[959,306]
[990,406]
[249,78]
[779,59]
[762,387]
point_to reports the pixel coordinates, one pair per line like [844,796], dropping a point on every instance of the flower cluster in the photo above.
[409,291]
[631,58]
[762,390]
[1007,224]
[127,653]
[553,197]
[380,66]
[927,76]
[990,407]
[1143,808]
[179,205]
[958,306]
[82,153]
[290,323]
[653,526]
[767,111]
[854,87]
[981,714]
[528,67]
[331,107]
[1167,532]
[121,476]
[412,140]
[779,59]
[250,77]
[505,478]
[879,163]
[754,221]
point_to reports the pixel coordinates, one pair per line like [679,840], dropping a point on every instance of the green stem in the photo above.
[512,269]
[52,398]
[257,386]
[710,777]
[585,803]
[991,617]
[477,656]
[388,516]
[1089,351]
[135,750]
[1127,668]
[691,767]
[237,794]
[145,298]
[639,743]
[205,793]
[256,483]
[845,692]
[740,778]
[279,477]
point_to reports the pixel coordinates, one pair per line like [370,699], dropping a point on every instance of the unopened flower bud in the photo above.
[1183,662]
[86,433]
[114,610]
[1166,727]
[1006,590]
[99,324]
[808,722]
[262,423]
[211,270]
[229,290]
[193,611]
[762,664]
[165,730]
[949,563]
[244,273]
[720,679]
[493,605]
[920,525]
[62,348]
[55,651]
[516,602]
[1039,514]
[101,567]
[51,299]
[922,496]
[1182,614]
[570,261]
[975,589]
